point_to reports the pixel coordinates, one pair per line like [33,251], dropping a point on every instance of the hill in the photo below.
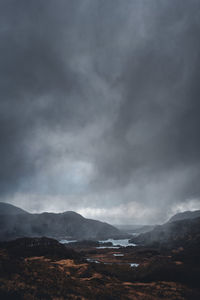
[68,225]
[181,233]
[135,228]
[6,208]
[185,215]
[27,247]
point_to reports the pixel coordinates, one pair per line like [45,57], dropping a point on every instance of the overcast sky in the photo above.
[100,107]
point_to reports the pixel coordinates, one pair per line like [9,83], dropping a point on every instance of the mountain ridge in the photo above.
[7,208]
[68,224]
[185,215]
[176,233]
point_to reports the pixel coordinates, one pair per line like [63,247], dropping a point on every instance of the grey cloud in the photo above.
[104,95]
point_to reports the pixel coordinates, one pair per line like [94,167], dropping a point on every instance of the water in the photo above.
[107,247]
[122,242]
[116,244]
[93,260]
[100,247]
[67,241]
[134,265]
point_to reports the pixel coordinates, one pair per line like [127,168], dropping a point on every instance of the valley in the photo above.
[163,263]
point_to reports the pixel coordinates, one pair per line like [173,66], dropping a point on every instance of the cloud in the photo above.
[99,108]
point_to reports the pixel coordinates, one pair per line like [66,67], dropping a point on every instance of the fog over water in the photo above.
[99,107]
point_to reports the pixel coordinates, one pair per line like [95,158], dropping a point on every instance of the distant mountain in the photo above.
[185,215]
[6,208]
[135,228]
[67,225]
[172,234]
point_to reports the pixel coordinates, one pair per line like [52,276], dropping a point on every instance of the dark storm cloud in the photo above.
[100,106]
[158,121]
[36,81]
[28,69]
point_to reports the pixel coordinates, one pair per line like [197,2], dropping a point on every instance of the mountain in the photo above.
[185,215]
[67,225]
[6,208]
[178,233]
[135,228]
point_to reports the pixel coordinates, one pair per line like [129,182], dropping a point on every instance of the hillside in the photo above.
[62,225]
[185,215]
[6,208]
[135,228]
[41,268]
[182,233]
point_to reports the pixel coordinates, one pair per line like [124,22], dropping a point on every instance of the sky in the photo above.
[100,108]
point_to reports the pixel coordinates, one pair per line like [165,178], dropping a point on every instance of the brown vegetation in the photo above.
[50,277]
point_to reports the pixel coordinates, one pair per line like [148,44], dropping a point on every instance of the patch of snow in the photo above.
[118,254]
